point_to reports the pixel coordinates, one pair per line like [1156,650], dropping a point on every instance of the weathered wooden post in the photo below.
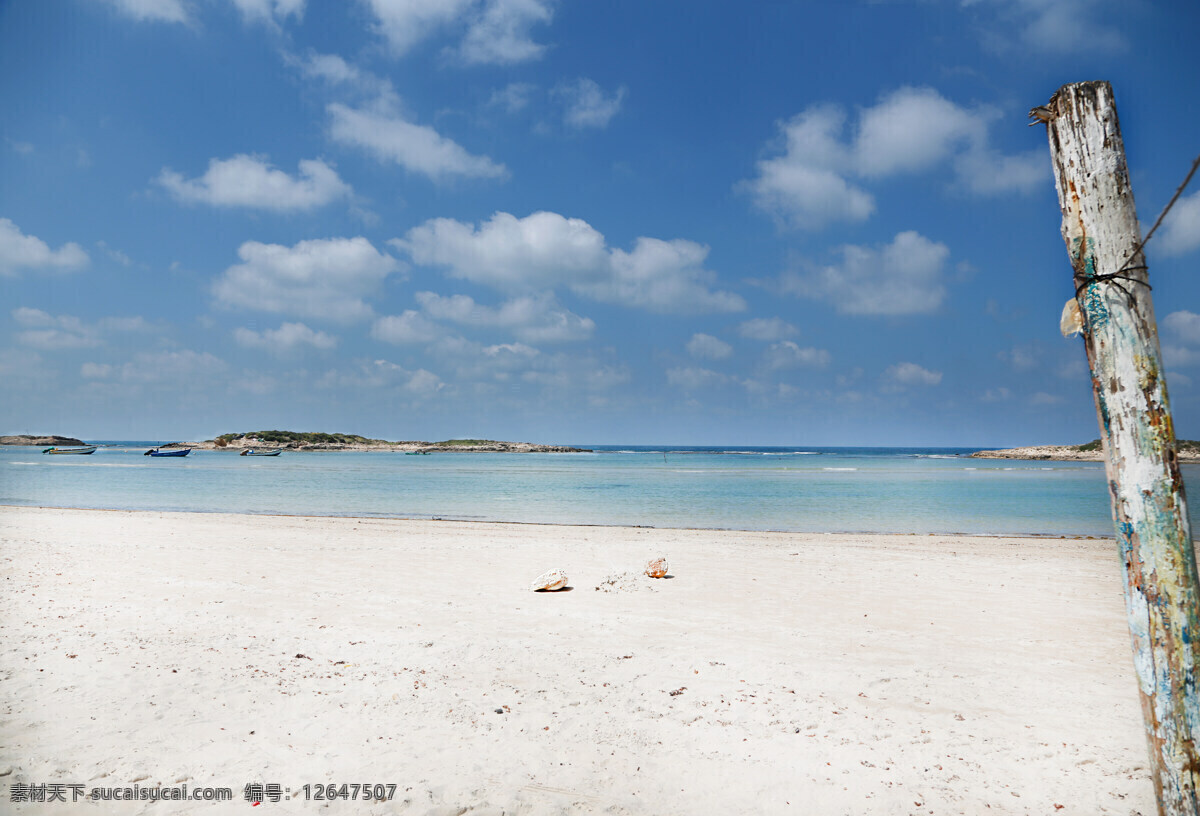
[1162,599]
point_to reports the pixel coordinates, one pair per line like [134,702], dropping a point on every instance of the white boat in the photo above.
[253,452]
[81,451]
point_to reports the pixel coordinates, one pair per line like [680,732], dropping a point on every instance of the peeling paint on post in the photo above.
[1101,231]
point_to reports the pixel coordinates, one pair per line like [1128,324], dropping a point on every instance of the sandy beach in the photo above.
[773,673]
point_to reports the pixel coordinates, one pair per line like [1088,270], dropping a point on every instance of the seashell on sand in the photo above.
[657,568]
[551,581]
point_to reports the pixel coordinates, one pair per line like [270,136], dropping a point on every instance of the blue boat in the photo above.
[171,452]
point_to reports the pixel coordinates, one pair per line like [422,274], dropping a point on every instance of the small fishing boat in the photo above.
[253,452]
[81,451]
[416,453]
[168,452]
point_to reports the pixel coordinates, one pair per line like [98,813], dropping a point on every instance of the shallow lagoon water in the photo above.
[881,490]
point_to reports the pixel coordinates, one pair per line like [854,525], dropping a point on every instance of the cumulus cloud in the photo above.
[694,378]
[534,319]
[43,330]
[269,10]
[411,327]
[158,367]
[586,105]
[383,131]
[1184,325]
[767,329]
[1056,26]
[545,250]
[404,23]
[19,251]
[512,97]
[323,278]
[499,33]
[384,374]
[496,31]
[906,374]
[288,337]
[707,347]
[911,130]
[786,354]
[251,181]
[539,251]
[900,278]
[1181,227]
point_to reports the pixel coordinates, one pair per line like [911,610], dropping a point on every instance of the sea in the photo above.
[809,489]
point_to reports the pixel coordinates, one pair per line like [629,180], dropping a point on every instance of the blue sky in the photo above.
[794,223]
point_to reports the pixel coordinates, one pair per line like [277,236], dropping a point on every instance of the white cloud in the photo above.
[384,374]
[403,23]
[911,130]
[251,181]
[1042,398]
[1058,26]
[767,329]
[409,327]
[512,97]
[1183,324]
[19,251]
[707,347]
[1181,227]
[381,130]
[288,337]
[166,11]
[154,367]
[804,187]
[903,277]
[270,10]
[904,374]
[324,278]
[499,33]
[534,319]
[1020,358]
[786,354]
[1180,355]
[662,276]
[546,250]
[586,105]
[536,252]
[46,331]
[693,378]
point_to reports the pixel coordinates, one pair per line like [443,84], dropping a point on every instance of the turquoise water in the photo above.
[803,489]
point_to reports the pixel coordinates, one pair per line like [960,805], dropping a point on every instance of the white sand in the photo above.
[819,674]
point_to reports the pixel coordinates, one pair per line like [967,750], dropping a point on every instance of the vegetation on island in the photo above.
[1181,446]
[467,442]
[300,437]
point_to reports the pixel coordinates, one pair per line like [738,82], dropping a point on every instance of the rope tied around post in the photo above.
[1043,114]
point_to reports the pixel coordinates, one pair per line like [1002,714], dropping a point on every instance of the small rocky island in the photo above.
[1189,451]
[26,439]
[316,441]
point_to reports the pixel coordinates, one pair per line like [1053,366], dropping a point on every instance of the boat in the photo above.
[253,452]
[84,451]
[416,453]
[168,452]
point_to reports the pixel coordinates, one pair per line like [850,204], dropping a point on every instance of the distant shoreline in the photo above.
[1064,453]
